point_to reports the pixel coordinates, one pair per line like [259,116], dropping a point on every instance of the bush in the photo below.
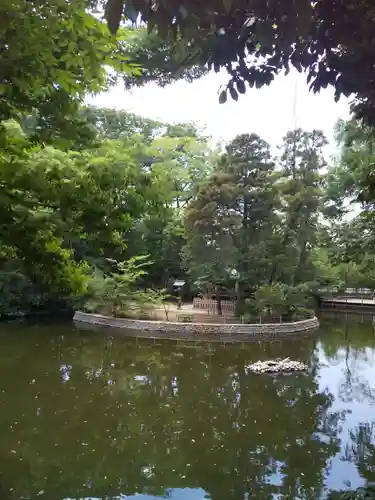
[279,301]
[117,294]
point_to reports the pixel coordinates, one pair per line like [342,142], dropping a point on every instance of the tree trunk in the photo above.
[301,259]
[240,300]
[286,238]
[218,300]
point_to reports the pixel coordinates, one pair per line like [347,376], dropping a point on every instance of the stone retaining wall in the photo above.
[200,331]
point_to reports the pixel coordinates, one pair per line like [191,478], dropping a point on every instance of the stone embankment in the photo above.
[199,331]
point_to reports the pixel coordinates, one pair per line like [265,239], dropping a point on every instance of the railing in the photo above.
[228,306]
[351,292]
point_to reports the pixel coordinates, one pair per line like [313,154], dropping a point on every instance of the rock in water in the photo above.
[277,366]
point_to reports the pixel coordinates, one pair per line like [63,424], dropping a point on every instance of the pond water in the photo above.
[88,415]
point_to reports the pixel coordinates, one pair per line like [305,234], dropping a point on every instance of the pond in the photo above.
[88,415]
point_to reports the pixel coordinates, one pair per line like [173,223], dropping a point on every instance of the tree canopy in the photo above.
[66,211]
[55,53]
[332,41]
[81,185]
[240,222]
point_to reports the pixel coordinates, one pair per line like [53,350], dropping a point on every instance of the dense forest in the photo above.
[157,202]
[99,204]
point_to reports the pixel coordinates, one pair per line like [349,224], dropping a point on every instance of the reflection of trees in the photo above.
[352,343]
[98,417]
[361,450]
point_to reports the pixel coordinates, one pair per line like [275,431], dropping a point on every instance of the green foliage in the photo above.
[233,211]
[254,41]
[17,292]
[119,289]
[349,204]
[326,272]
[257,220]
[80,186]
[37,195]
[366,493]
[280,300]
[352,178]
[54,54]
[120,125]
[270,298]
[70,210]
[158,60]
[119,294]
[301,197]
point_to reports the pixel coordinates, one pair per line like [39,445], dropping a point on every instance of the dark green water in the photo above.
[84,415]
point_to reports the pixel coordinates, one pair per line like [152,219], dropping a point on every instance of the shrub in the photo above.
[117,294]
[279,300]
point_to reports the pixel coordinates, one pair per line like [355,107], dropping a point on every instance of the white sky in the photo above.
[268,112]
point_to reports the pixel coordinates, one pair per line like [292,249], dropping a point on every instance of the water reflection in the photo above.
[348,350]
[87,416]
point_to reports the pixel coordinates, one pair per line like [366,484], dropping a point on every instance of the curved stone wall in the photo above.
[200,331]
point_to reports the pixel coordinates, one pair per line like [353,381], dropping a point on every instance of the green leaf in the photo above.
[223,97]
[241,86]
[233,93]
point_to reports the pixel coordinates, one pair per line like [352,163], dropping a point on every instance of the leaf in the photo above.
[259,82]
[241,87]
[113,15]
[223,97]
[233,93]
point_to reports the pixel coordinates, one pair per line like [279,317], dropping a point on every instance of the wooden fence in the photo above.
[210,306]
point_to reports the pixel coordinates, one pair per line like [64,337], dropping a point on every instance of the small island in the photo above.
[116,301]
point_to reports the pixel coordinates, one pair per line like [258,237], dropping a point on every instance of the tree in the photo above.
[121,125]
[71,210]
[53,54]
[352,179]
[301,195]
[63,210]
[158,60]
[117,293]
[250,224]
[349,203]
[176,164]
[38,189]
[255,41]
[234,213]
[351,251]
[327,274]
